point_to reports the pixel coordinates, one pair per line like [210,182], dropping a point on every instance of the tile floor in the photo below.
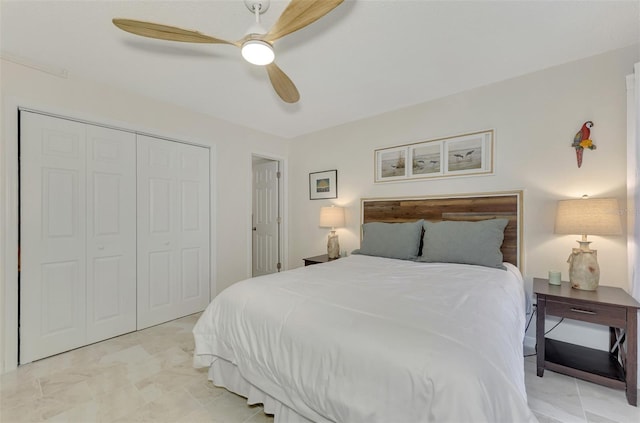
[147,376]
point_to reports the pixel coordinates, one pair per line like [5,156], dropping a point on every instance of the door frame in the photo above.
[9,215]
[9,208]
[284,208]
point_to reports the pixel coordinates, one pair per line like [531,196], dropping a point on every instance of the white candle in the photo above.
[554,277]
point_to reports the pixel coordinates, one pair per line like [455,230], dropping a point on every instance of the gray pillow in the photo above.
[391,240]
[464,242]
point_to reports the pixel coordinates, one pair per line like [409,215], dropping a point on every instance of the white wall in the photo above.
[74,97]
[535,117]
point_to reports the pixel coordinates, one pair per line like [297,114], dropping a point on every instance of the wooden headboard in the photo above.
[469,207]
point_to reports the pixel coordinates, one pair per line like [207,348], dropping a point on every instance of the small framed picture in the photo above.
[426,159]
[323,185]
[391,164]
[469,154]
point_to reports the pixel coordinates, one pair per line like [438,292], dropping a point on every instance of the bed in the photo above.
[374,338]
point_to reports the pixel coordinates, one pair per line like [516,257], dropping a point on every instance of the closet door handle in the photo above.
[100,247]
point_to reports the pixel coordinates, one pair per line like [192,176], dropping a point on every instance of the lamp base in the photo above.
[333,246]
[584,271]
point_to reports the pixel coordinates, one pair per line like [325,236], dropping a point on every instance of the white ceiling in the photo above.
[364,58]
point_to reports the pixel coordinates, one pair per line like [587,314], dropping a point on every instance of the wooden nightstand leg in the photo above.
[540,310]
[631,368]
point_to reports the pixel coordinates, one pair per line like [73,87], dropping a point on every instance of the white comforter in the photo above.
[367,339]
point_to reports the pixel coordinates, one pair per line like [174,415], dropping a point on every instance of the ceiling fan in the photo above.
[257,44]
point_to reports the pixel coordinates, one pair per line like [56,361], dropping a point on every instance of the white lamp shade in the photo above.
[257,52]
[332,217]
[590,216]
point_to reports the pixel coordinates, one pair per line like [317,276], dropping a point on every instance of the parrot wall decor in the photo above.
[583,140]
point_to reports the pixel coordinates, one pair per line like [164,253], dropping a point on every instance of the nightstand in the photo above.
[323,258]
[607,306]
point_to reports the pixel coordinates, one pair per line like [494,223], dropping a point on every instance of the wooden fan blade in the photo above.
[165,32]
[282,84]
[298,14]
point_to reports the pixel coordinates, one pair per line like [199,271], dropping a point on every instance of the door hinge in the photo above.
[278,220]
[279,266]
[278,174]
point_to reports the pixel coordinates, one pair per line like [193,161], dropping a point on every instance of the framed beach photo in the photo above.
[391,164]
[426,159]
[323,185]
[469,154]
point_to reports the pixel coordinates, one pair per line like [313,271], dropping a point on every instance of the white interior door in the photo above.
[52,236]
[173,230]
[266,218]
[111,233]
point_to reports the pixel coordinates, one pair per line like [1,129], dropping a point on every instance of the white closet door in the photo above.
[173,230]
[193,229]
[111,233]
[52,236]
[157,206]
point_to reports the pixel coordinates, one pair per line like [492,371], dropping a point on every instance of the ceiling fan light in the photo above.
[258,52]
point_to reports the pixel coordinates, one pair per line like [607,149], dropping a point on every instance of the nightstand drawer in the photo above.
[602,314]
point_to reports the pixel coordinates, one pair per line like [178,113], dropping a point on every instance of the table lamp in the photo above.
[332,217]
[587,216]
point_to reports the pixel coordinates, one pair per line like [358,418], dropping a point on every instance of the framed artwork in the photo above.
[468,154]
[391,164]
[426,159]
[323,185]
[460,155]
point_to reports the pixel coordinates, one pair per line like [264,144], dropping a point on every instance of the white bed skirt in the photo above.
[226,375]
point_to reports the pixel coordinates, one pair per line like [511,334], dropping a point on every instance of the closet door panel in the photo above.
[193,228]
[157,235]
[111,233]
[160,276]
[52,236]
[173,230]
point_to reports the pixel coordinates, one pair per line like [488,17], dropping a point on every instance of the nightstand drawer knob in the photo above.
[578,310]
